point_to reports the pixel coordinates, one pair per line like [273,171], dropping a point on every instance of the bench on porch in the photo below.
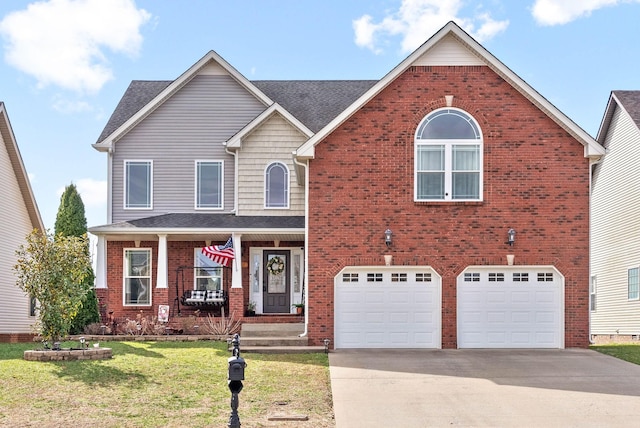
[203,298]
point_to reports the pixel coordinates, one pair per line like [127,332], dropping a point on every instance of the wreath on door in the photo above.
[275,265]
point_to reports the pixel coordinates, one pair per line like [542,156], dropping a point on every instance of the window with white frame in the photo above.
[137,276]
[592,292]
[276,189]
[632,284]
[448,157]
[207,273]
[209,184]
[138,181]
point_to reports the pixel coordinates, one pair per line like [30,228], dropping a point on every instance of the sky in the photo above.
[65,64]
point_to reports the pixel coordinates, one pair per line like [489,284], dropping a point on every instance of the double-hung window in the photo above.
[138,179]
[276,190]
[209,184]
[207,273]
[137,277]
[633,289]
[448,157]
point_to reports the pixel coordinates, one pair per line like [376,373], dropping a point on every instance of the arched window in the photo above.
[276,190]
[448,157]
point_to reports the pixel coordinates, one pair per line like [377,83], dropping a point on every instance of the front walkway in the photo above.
[483,388]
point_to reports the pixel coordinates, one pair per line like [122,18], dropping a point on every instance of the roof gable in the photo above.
[629,101]
[453,44]
[211,63]
[20,172]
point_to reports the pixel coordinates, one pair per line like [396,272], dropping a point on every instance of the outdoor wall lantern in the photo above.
[511,237]
[387,237]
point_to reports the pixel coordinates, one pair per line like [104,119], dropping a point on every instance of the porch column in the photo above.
[101,257]
[236,277]
[162,280]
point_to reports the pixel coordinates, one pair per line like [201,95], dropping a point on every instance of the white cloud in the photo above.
[93,192]
[558,12]
[63,42]
[64,105]
[416,20]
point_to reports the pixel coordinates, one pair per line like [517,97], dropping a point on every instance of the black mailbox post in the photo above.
[235,378]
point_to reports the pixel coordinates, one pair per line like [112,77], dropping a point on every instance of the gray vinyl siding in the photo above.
[615,230]
[15,225]
[272,142]
[191,125]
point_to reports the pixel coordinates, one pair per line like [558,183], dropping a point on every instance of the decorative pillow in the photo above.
[215,294]
[198,294]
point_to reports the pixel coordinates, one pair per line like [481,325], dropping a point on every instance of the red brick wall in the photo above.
[536,180]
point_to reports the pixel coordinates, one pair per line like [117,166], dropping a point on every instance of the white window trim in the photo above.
[196,251]
[288,189]
[124,277]
[448,162]
[125,187]
[593,293]
[195,182]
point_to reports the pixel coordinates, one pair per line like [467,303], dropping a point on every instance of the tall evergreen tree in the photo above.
[71,221]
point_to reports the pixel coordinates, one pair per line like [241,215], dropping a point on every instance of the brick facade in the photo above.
[536,180]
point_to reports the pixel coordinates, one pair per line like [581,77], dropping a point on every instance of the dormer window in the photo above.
[448,157]
[276,191]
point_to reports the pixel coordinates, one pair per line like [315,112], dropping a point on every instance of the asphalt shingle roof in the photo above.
[313,102]
[631,102]
[210,221]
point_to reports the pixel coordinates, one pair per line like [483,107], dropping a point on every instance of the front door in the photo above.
[275,288]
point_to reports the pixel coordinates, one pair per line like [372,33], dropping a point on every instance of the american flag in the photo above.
[220,253]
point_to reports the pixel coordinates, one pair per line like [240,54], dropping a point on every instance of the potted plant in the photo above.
[299,308]
[251,308]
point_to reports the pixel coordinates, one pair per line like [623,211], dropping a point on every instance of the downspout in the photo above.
[235,176]
[592,165]
[306,240]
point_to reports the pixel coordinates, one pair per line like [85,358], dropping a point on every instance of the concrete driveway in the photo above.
[483,388]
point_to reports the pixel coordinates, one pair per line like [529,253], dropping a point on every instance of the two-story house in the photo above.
[615,210]
[445,205]
[19,215]
[195,161]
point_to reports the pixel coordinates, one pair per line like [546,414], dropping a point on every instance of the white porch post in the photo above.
[236,279]
[163,276]
[101,263]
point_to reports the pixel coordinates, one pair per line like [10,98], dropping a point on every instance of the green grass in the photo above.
[627,352]
[150,384]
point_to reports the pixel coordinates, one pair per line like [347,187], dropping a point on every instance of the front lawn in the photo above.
[627,352]
[151,384]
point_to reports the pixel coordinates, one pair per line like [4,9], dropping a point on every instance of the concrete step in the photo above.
[282,349]
[271,330]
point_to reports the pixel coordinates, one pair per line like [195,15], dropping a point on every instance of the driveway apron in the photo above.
[483,388]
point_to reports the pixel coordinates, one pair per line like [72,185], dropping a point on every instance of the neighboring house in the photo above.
[615,223]
[19,215]
[448,153]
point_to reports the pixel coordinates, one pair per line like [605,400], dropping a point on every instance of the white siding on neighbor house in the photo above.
[273,141]
[14,227]
[615,230]
[189,126]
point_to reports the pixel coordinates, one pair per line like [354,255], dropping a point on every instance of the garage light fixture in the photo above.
[511,236]
[387,237]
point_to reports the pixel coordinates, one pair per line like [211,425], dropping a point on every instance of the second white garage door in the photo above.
[387,307]
[510,307]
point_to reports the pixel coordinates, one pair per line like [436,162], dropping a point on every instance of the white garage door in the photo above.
[387,307]
[510,307]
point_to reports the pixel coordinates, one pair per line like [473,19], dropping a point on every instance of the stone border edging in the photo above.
[69,354]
